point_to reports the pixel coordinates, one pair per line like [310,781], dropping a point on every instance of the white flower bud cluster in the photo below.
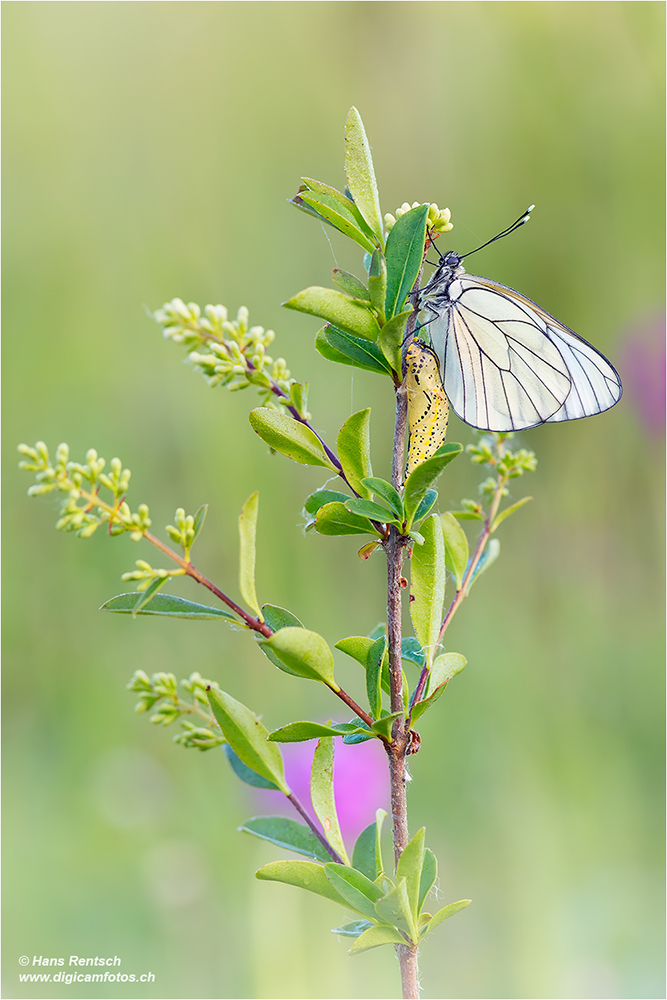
[147,573]
[235,354]
[161,691]
[437,221]
[183,532]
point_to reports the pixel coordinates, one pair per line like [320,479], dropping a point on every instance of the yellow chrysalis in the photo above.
[428,409]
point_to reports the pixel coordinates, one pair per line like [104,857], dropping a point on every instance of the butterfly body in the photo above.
[506,364]
[428,409]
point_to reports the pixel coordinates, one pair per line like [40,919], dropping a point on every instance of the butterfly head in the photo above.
[449,267]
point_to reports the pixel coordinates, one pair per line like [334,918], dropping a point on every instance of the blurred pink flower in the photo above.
[361,783]
[643,372]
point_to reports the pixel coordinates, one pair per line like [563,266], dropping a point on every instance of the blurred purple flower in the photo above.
[643,368]
[360,781]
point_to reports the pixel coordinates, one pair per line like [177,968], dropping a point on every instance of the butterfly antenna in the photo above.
[510,229]
[432,241]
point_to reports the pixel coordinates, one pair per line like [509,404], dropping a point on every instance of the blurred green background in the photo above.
[149,152]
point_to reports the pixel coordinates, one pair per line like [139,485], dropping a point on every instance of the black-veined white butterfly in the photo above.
[506,363]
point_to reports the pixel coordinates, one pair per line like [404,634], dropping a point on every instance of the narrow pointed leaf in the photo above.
[360,173]
[359,891]
[247,536]
[428,876]
[336,519]
[299,398]
[373,511]
[391,339]
[168,606]
[353,929]
[508,511]
[375,936]
[383,489]
[444,913]
[377,283]
[445,666]
[320,497]
[298,732]
[345,203]
[277,618]
[200,517]
[245,773]
[384,726]
[404,254]
[322,794]
[306,653]
[304,874]
[424,476]
[354,450]
[247,737]
[351,284]
[337,308]
[425,504]
[456,547]
[488,557]
[145,596]
[427,584]
[366,856]
[373,675]
[410,866]
[344,349]
[394,908]
[287,833]
[336,219]
[289,437]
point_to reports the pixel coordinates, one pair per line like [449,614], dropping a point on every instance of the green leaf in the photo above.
[391,339]
[353,929]
[247,536]
[336,519]
[385,725]
[383,489]
[377,284]
[445,666]
[410,866]
[356,646]
[146,595]
[360,173]
[354,450]
[375,936]
[327,212]
[428,876]
[167,605]
[340,347]
[351,284]
[423,477]
[246,773]
[360,893]
[456,547]
[200,517]
[298,732]
[373,511]
[304,874]
[508,511]
[488,557]
[427,584]
[444,913]
[248,738]
[404,253]
[373,675]
[289,437]
[394,908]
[287,833]
[337,308]
[412,651]
[298,394]
[425,504]
[322,796]
[277,618]
[345,204]
[367,855]
[305,653]
[320,497]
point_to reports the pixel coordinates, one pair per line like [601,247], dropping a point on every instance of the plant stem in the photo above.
[335,856]
[396,751]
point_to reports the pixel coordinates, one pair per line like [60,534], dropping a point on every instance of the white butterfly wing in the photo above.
[508,365]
